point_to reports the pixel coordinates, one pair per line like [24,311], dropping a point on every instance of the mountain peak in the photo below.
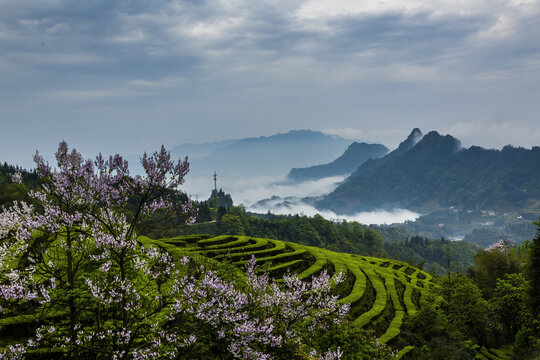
[291,136]
[434,136]
[437,144]
[414,137]
[437,173]
[356,144]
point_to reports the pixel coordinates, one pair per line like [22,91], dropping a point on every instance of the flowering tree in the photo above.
[74,262]
[260,319]
[81,246]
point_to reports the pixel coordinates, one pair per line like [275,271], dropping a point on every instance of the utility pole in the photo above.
[215,181]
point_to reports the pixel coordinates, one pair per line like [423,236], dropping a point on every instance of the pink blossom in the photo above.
[16,177]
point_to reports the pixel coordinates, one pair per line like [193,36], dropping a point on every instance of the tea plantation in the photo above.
[382,292]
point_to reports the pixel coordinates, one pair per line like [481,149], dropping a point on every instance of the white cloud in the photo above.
[324,9]
[495,133]
[237,67]
[76,94]
[414,73]
[249,190]
[215,29]
[56,58]
[160,83]
[131,36]
[347,133]
[31,24]
[295,206]
[58,29]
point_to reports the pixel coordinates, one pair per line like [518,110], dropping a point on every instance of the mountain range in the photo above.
[355,155]
[431,172]
[269,156]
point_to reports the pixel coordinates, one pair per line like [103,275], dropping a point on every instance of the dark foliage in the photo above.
[533,272]
[10,192]
[438,173]
[220,199]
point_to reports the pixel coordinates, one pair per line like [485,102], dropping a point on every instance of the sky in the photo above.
[127,76]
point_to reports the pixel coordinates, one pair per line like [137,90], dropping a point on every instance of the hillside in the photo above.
[381,292]
[438,173]
[385,295]
[355,155]
[372,164]
[346,236]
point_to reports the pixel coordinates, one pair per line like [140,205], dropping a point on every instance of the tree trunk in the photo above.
[71,288]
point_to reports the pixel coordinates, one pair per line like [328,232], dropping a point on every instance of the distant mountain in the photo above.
[355,155]
[276,203]
[269,157]
[199,151]
[437,173]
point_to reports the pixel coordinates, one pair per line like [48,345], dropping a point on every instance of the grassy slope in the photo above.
[387,308]
[384,311]
[371,288]
[281,256]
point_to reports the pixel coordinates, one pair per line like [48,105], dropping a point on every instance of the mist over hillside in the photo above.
[256,161]
[266,155]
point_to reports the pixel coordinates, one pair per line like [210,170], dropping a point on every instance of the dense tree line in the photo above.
[479,227]
[495,304]
[433,254]
[218,199]
[9,191]
[342,236]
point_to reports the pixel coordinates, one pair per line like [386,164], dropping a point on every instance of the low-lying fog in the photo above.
[367,217]
[263,194]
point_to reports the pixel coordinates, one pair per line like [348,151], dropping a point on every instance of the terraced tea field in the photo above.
[495,354]
[381,291]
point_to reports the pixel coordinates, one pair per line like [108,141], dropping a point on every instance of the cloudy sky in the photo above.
[127,75]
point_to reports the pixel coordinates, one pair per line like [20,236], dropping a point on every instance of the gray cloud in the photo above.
[129,75]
